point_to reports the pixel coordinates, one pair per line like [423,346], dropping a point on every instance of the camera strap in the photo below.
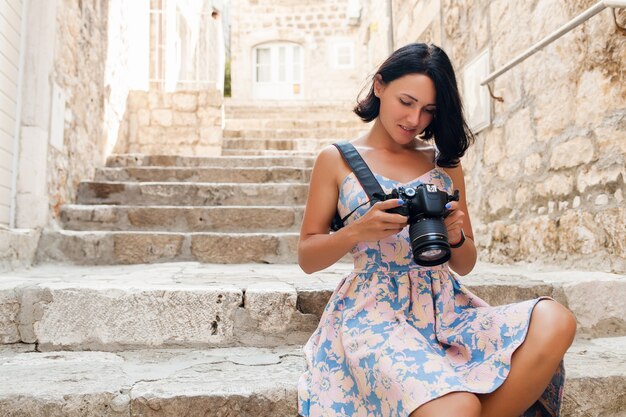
[365,176]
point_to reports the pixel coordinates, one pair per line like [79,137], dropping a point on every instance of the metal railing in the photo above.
[581,18]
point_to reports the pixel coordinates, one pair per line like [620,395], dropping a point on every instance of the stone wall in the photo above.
[79,67]
[312,24]
[545,180]
[180,123]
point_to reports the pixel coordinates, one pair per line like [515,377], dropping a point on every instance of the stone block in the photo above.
[538,235]
[9,309]
[572,153]
[500,202]
[271,304]
[187,102]
[132,248]
[103,318]
[185,118]
[161,117]
[143,117]
[600,178]
[137,100]
[613,223]
[532,163]
[518,137]
[555,185]
[598,306]
[579,233]
[231,248]
[494,142]
[596,96]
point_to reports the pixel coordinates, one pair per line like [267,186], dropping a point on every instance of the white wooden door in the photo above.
[10,27]
[277,71]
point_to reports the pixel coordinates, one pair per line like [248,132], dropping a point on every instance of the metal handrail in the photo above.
[584,16]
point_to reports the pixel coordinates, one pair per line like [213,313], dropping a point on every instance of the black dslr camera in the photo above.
[425,207]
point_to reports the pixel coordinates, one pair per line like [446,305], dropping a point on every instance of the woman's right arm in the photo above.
[317,249]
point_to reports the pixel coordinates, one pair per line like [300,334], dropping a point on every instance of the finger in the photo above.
[387,204]
[393,218]
[452,205]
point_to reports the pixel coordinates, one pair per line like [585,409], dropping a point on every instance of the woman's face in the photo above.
[407,106]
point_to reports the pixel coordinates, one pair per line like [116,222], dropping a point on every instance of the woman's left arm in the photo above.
[463,258]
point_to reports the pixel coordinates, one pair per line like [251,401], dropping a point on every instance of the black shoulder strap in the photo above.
[363,173]
[361,170]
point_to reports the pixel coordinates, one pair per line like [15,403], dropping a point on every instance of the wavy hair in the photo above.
[448,128]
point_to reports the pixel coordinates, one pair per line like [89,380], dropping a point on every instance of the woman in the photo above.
[397,338]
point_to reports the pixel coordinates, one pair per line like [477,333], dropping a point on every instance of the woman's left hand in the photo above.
[454,222]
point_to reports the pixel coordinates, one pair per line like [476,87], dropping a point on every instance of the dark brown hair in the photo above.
[448,128]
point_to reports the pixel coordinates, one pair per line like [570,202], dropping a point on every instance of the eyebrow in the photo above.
[411,97]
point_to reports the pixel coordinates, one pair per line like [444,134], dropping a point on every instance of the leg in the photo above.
[454,404]
[551,332]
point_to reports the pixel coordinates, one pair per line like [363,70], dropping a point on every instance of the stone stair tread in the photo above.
[235,218]
[146,247]
[135,296]
[135,160]
[253,381]
[205,174]
[190,193]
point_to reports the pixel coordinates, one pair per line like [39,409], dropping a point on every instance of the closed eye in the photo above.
[405,102]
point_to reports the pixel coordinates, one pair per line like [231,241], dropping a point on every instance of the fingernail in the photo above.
[400,201]
[448,205]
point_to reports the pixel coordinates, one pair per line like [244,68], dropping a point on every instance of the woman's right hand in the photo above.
[377,224]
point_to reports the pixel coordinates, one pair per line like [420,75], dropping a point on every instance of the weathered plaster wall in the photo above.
[546,180]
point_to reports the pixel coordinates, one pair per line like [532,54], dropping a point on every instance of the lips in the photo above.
[408,130]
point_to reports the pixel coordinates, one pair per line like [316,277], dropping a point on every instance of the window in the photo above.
[342,55]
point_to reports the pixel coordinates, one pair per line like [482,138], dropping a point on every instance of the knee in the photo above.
[458,404]
[556,324]
[468,406]
[465,405]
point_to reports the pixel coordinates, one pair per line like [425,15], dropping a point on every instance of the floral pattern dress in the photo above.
[395,335]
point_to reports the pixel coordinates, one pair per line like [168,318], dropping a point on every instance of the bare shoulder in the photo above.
[330,164]
[456,174]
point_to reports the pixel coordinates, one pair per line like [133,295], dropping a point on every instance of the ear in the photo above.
[379,85]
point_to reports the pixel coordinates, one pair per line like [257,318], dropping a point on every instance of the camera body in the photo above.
[425,207]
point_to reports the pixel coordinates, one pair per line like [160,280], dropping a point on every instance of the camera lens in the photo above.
[429,242]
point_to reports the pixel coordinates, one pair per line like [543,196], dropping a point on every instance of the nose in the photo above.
[414,117]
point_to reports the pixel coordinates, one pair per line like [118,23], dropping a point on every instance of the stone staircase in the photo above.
[166,208]
[197,308]
[296,129]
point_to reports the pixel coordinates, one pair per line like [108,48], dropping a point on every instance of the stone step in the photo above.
[253,219]
[191,194]
[202,174]
[309,145]
[339,112]
[190,304]
[268,153]
[291,134]
[135,247]
[296,123]
[138,160]
[239,381]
